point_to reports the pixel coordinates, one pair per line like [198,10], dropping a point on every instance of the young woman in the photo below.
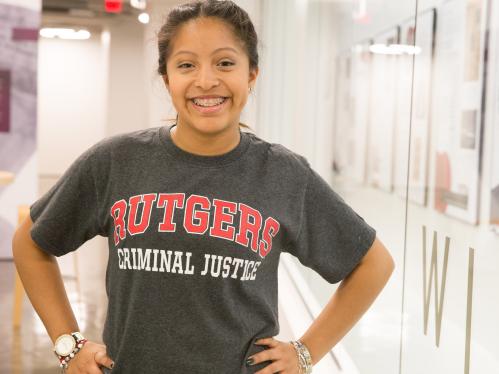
[196,215]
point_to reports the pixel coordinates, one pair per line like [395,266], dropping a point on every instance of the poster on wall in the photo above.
[18,102]
[360,88]
[343,113]
[494,63]
[382,119]
[457,107]
[422,41]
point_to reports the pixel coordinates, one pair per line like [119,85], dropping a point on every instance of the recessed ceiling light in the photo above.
[64,33]
[139,4]
[143,18]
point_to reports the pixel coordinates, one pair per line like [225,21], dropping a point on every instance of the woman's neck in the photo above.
[197,143]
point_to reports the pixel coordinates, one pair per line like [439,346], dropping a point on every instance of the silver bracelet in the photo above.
[304,358]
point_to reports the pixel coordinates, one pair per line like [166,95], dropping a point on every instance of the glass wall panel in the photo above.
[450,303]
[373,93]
[411,145]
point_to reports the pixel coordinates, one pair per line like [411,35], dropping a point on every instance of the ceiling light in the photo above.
[409,49]
[64,33]
[139,4]
[143,17]
[395,49]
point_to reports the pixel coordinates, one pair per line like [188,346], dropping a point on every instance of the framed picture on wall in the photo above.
[382,118]
[457,107]
[417,112]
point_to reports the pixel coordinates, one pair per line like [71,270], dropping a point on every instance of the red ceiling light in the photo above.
[113,6]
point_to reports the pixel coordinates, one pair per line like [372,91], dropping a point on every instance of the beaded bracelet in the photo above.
[63,360]
[304,358]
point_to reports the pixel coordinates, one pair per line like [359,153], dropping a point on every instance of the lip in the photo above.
[208,97]
[209,110]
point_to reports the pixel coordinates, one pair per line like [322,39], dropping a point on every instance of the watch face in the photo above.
[65,345]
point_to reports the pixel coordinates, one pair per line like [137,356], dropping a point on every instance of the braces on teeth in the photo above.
[208,102]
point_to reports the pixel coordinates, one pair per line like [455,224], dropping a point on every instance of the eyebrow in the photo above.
[215,51]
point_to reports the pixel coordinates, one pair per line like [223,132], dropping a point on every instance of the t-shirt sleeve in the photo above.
[332,238]
[66,216]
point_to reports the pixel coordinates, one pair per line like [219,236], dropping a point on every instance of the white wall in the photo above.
[160,107]
[88,90]
[72,99]
[296,80]
[127,99]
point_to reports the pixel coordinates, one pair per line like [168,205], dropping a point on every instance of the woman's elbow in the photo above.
[379,256]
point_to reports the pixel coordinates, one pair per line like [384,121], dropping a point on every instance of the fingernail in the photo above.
[250,361]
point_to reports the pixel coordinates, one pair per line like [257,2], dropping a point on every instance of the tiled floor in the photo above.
[29,349]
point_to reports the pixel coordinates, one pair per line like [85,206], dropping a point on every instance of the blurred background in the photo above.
[395,103]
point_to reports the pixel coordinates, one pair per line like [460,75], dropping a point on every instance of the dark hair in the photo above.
[225,10]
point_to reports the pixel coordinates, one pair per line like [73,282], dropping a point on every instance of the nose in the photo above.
[206,78]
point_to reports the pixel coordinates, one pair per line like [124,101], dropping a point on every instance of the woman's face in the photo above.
[207,60]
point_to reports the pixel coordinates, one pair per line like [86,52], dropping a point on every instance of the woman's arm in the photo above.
[351,300]
[41,278]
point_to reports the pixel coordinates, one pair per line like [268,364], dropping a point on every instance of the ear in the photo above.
[252,76]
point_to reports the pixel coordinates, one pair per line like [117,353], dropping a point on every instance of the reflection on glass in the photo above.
[422,135]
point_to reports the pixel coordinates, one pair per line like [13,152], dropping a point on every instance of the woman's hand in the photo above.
[282,354]
[89,359]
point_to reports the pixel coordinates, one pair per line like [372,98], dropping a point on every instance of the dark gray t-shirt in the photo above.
[194,244]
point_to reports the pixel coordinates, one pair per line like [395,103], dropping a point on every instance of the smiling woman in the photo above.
[197,215]
[206,55]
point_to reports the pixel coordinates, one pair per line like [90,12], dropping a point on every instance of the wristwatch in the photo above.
[67,346]
[66,343]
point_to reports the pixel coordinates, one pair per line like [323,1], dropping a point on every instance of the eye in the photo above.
[185,63]
[227,62]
